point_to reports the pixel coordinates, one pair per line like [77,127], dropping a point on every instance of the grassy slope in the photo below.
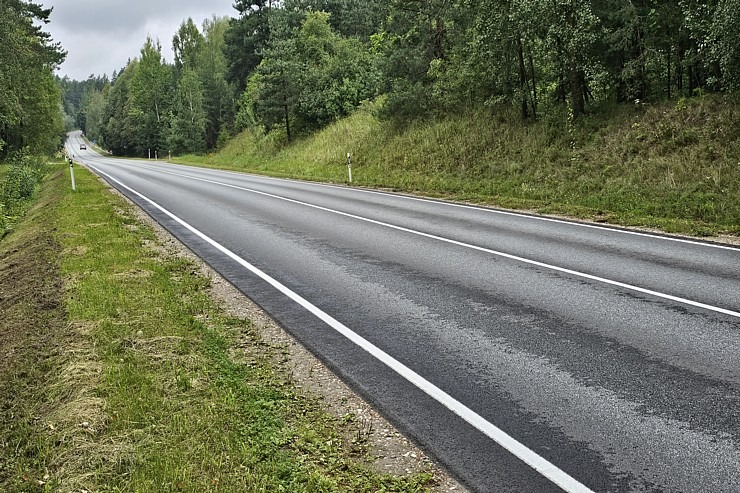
[675,165]
[121,374]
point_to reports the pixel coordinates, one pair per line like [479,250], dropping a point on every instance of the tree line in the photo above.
[30,114]
[31,122]
[293,66]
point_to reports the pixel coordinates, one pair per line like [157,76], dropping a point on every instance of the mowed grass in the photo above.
[673,165]
[155,389]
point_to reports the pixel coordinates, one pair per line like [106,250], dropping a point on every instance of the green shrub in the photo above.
[17,186]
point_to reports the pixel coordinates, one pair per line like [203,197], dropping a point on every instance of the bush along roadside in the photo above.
[18,181]
[146,384]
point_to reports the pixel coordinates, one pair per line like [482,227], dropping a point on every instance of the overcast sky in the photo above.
[101,35]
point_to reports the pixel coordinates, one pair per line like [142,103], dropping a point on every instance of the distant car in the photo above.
[83,147]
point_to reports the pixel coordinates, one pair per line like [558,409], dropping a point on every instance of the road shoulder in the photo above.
[387,450]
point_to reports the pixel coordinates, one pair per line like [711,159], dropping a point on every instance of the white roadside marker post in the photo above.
[349,166]
[72,173]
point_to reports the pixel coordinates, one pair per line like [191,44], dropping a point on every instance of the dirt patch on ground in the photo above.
[388,450]
[30,290]
[49,371]
[33,336]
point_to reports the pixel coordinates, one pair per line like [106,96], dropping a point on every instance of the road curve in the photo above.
[524,353]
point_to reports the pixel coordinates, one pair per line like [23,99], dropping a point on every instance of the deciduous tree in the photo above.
[725,39]
[187,44]
[151,99]
[188,121]
[218,94]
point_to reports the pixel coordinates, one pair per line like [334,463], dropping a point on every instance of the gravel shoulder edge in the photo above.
[391,451]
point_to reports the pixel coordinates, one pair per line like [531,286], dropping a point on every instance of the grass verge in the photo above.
[122,374]
[674,166]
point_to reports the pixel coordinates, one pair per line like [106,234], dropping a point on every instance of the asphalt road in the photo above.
[525,354]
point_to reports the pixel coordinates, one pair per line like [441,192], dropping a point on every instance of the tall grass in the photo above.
[673,165]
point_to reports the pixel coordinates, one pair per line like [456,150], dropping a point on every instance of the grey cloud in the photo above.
[100,36]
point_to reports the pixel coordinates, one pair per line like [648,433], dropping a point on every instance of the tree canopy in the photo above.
[295,66]
[30,113]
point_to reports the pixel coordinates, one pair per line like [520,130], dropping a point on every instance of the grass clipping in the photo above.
[141,389]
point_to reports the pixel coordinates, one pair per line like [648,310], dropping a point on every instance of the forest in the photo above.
[30,98]
[31,117]
[624,110]
[292,67]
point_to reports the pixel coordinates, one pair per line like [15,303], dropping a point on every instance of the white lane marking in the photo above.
[583,275]
[479,209]
[531,458]
[538,218]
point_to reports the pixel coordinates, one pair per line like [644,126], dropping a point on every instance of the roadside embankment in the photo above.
[673,166]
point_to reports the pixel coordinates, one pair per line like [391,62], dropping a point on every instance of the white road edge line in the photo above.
[531,458]
[583,275]
[477,208]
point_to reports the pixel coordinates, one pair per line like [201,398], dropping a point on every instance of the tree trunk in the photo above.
[639,52]
[669,72]
[523,87]
[679,70]
[439,35]
[287,121]
[587,96]
[534,84]
[577,100]
[716,71]
[621,90]
[561,93]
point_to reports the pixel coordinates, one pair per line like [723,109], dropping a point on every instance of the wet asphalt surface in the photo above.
[621,389]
